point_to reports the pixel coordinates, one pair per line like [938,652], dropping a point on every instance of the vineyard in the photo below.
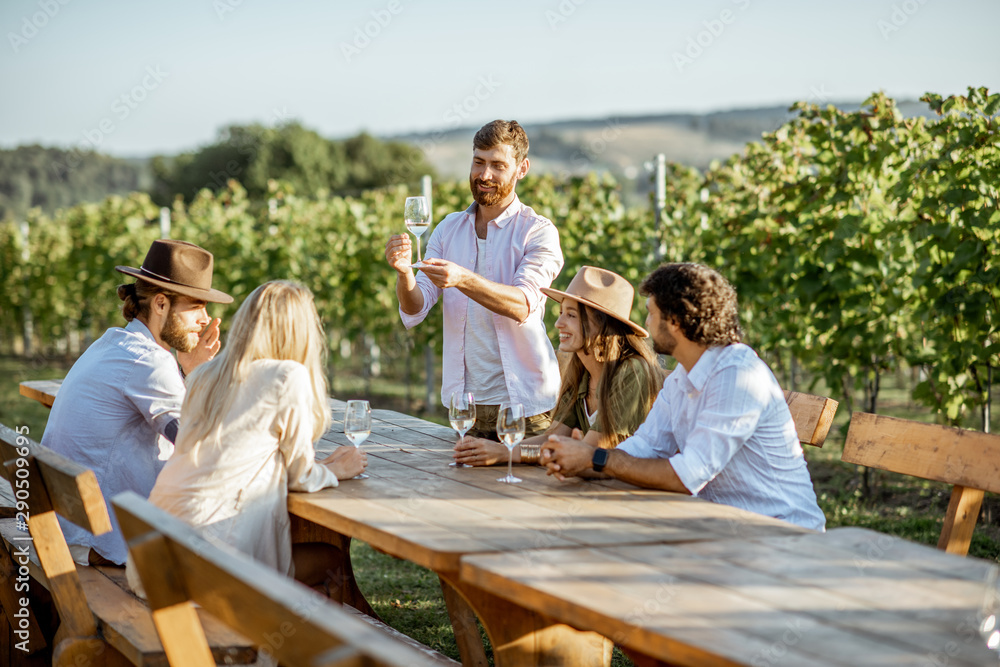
[860,243]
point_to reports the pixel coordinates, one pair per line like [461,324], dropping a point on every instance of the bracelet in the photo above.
[531,454]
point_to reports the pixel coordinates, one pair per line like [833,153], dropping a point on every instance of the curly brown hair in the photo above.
[139,295]
[698,299]
[501,132]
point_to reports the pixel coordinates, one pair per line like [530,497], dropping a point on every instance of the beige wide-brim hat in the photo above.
[180,267]
[601,290]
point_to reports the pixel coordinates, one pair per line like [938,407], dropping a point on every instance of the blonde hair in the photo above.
[277,321]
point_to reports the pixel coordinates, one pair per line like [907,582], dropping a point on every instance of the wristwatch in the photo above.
[600,459]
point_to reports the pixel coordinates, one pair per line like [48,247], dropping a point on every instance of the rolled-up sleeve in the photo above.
[654,439]
[542,262]
[430,291]
[731,410]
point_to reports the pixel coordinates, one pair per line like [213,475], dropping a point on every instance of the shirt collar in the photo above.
[704,366]
[506,216]
[584,386]
[135,326]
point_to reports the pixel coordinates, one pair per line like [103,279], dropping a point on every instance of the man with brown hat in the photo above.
[118,410]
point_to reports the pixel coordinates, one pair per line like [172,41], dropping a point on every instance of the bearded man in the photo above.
[490,263]
[118,410]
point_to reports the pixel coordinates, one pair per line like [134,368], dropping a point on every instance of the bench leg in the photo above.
[343,586]
[960,520]
[523,638]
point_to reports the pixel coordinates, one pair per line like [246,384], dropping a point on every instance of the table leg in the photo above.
[343,586]
[463,622]
[523,638]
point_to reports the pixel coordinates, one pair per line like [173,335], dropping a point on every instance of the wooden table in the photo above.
[850,597]
[416,507]
[43,391]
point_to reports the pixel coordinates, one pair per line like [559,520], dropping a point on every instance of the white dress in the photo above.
[234,486]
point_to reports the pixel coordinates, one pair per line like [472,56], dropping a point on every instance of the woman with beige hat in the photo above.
[610,375]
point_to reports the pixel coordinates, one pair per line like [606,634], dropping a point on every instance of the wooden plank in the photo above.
[960,520]
[12,593]
[929,451]
[285,618]
[71,488]
[43,391]
[813,416]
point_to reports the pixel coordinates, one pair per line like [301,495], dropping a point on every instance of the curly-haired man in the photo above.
[720,428]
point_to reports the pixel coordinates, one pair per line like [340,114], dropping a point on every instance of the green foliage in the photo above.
[857,241]
[52,178]
[306,163]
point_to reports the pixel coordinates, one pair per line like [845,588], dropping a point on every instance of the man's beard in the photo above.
[176,336]
[503,189]
[664,343]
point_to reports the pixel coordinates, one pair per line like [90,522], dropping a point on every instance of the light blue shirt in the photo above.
[729,436]
[116,413]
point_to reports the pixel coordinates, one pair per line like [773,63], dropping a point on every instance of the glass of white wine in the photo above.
[358,425]
[417,216]
[510,428]
[462,415]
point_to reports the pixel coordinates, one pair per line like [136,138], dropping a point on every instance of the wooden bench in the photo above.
[101,621]
[299,627]
[969,460]
[813,416]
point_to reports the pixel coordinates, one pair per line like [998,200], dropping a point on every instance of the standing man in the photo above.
[117,411]
[490,262]
[720,427]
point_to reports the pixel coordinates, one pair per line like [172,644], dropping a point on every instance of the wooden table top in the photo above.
[416,507]
[43,391]
[849,597]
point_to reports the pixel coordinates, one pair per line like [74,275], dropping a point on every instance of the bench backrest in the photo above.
[56,485]
[295,624]
[969,460]
[813,416]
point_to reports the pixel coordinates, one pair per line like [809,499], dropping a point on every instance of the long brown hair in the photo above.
[613,343]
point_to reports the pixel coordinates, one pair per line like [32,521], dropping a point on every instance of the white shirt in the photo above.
[484,375]
[729,436]
[234,486]
[116,413]
[522,250]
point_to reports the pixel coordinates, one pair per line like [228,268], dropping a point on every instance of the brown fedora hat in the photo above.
[602,290]
[181,267]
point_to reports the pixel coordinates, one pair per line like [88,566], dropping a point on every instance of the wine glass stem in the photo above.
[510,462]
[418,251]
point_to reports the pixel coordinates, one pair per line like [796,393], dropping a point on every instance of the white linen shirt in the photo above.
[112,413]
[729,436]
[522,250]
[233,486]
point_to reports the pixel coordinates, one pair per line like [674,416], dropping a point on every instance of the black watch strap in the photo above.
[600,459]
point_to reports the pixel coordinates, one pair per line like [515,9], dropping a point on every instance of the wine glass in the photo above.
[358,425]
[510,428]
[417,216]
[989,629]
[462,415]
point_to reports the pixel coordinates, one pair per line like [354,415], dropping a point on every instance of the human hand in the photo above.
[347,461]
[444,273]
[479,452]
[206,349]
[567,457]
[398,252]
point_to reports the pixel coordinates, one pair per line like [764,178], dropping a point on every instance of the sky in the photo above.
[142,78]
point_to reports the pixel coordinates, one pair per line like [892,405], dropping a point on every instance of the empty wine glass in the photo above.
[510,428]
[462,415]
[358,425]
[417,216]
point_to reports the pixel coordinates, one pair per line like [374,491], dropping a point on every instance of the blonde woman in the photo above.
[610,376]
[249,422]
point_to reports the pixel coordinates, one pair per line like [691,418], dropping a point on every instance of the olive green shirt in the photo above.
[629,398]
